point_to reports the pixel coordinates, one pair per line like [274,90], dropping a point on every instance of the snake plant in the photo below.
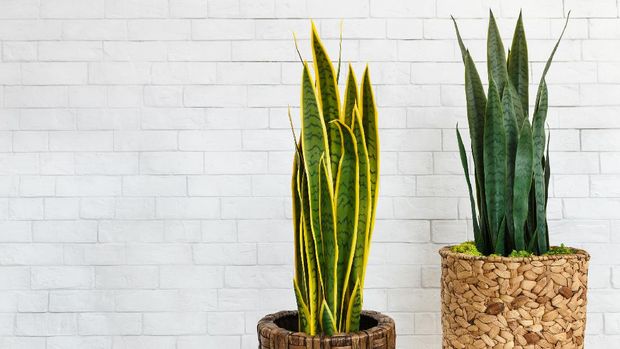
[510,153]
[334,189]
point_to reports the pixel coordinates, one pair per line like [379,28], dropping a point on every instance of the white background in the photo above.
[145,159]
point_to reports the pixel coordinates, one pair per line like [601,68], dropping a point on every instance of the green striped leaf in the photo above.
[354,308]
[327,87]
[476,110]
[314,145]
[303,314]
[496,55]
[495,162]
[335,148]
[371,133]
[538,132]
[365,203]
[524,167]
[313,272]
[300,268]
[328,320]
[350,97]
[518,68]
[478,237]
[347,207]
[328,233]
[512,134]
[550,59]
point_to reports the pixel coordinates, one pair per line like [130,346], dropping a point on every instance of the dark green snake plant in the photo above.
[334,189]
[510,153]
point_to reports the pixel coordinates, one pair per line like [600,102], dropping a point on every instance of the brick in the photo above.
[94,30]
[62,277]
[177,73]
[222,29]
[46,324]
[174,323]
[36,96]
[190,300]
[225,323]
[164,29]
[126,277]
[171,163]
[65,231]
[143,342]
[136,9]
[190,277]
[147,254]
[110,324]
[71,9]
[224,254]
[188,8]
[81,301]
[88,186]
[134,51]
[79,342]
[215,96]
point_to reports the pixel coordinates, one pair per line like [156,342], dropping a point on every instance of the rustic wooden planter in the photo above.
[279,331]
[513,303]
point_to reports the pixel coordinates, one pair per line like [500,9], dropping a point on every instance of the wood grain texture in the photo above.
[273,333]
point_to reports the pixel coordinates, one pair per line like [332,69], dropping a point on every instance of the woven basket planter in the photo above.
[279,331]
[513,303]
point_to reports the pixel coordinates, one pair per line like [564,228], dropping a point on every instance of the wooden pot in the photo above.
[513,303]
[279,331]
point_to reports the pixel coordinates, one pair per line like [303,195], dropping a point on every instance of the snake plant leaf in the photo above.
[371,132]
[459,39]
[314,146]
[354,309]
[524,167]
[311,246]
[365,204]
[479,238]
[512,134]
[298,238]
[335,148]
[476,109]
[511,157]
[496,55]
[495,161]
[327,87]
[538,132]
[518,69]
[334,187]
[347,208]
[329,236]
[547,170]
[350,97]
[550,59]
[304,324]
[328,320]
[547,178]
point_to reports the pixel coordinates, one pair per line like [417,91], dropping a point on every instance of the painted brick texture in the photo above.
[145,156]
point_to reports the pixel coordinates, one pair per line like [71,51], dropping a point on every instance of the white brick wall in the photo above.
[145,159]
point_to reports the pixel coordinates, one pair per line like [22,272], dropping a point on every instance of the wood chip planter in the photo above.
[278,331]
[513,303]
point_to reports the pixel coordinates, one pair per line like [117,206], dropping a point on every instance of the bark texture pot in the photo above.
[279,331]
[513,303]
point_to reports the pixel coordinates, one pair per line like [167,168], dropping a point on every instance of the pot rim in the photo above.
[579,254]
[384,325]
